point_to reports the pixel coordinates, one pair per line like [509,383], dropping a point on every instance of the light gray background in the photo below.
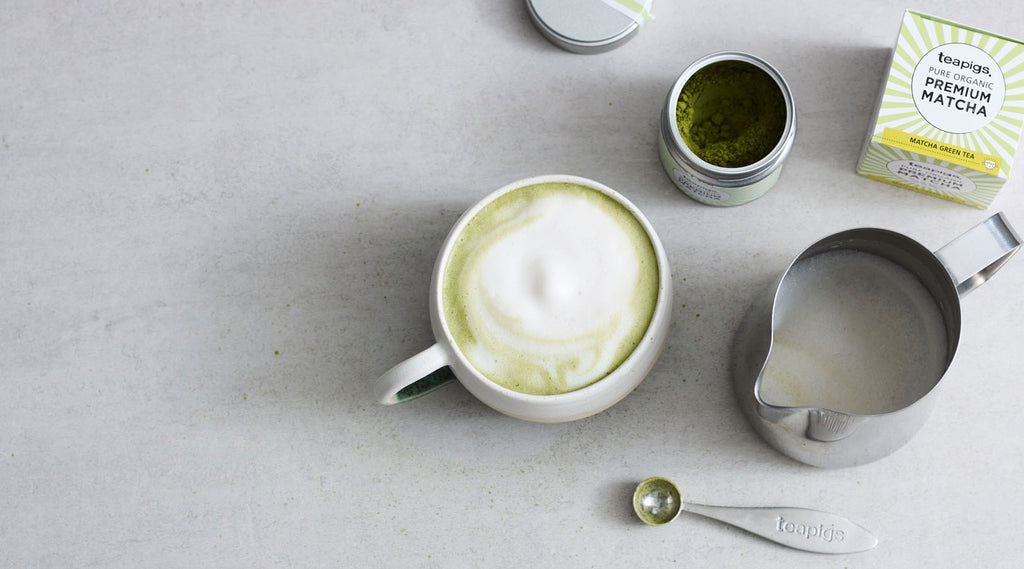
[217,224]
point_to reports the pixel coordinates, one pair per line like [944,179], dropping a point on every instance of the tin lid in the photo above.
[589,26]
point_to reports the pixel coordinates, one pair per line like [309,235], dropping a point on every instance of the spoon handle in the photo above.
[799,528]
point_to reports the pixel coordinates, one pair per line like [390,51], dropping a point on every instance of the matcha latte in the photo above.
[550,287]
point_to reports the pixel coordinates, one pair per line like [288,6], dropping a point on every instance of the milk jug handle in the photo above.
[975,256]
[418,375]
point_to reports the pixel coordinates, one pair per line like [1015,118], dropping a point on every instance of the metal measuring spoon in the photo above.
[657,502]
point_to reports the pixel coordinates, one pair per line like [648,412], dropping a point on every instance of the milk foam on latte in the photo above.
[550,287]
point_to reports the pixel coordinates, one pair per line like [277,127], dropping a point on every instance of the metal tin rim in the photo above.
[577,46]
[728,177]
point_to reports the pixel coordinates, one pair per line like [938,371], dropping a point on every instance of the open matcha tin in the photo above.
[726,129]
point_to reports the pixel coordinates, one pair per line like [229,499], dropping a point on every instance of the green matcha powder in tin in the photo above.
[731,114]
[727,127]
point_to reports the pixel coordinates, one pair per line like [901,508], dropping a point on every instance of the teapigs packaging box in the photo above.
[950,114]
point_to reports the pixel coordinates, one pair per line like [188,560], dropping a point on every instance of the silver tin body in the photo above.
[717,185]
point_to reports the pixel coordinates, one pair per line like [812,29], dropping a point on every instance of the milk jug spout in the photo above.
[823,425]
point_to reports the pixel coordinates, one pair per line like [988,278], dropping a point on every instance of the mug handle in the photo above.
[416,376]
[975,256]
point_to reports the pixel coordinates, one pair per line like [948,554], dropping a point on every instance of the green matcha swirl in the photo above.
[550,287]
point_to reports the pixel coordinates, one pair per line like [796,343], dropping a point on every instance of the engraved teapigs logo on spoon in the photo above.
[657,502]
[809,531]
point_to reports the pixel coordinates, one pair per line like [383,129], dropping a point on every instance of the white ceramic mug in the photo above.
[438,363]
